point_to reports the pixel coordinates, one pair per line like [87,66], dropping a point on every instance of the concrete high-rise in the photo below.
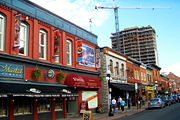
[138,43]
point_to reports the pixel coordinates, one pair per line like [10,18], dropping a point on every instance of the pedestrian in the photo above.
[119,102]
[140,101]
[123,103]
[113,102]
[129,102]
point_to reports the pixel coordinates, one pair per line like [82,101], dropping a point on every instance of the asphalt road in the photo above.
[168,113]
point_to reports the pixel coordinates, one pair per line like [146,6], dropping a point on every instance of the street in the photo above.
[167,113]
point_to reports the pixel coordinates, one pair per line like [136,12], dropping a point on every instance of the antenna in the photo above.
[90,23]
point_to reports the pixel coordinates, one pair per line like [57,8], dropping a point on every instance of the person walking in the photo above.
[123,103]
[119,102]
[129,103]
[113,102]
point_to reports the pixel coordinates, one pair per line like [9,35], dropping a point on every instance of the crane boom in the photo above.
[116,11]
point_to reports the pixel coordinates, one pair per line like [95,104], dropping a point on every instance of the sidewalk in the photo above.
[104,116]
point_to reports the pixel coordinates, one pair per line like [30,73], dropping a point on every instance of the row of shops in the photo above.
[66,76]
[22,98]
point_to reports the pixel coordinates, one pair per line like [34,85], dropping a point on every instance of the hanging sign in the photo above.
[17,30]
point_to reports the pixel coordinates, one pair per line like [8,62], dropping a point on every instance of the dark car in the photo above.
[166,101]
[175,97]
[171,99]
[156,103]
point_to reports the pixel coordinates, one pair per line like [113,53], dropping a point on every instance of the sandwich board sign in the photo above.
[87,115]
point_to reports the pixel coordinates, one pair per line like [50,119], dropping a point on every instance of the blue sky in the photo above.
[166,22]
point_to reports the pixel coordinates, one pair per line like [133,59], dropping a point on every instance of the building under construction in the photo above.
[138,43]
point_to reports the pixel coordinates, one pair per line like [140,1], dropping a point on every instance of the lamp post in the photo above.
[108,78]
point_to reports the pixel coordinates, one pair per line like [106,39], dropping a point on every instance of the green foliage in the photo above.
[36,74]
[60,76]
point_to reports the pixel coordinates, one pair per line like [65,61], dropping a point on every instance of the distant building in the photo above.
[176,81]
[138,43]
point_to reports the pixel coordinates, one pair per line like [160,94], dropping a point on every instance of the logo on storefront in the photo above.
[33,90]
[50,73]
[11,70]
[66,91]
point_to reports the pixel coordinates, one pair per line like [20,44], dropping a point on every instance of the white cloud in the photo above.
[174,68]
[77,11]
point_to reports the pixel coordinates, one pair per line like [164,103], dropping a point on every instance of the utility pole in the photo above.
[115,8]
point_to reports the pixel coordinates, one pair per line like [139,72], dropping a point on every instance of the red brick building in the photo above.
[176,80]
[47,64]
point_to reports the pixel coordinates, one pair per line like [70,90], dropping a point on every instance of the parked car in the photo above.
[175,97]
[171,99]
[156,103]
[166,101]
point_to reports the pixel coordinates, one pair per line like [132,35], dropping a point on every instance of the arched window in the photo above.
[117,68]
[122,69]
[111,67]
[69,52]
[23,39]
[2,31]
[42,44]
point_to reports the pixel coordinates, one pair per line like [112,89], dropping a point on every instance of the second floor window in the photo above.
[42,44]
[2,32]
[69,52]
[111,67]
[23,49]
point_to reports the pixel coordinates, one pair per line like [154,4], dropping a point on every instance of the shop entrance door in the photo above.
[72,108]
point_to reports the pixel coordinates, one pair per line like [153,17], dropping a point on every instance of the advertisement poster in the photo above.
[91,97]
[88,56]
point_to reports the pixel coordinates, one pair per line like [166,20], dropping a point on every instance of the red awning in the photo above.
[76,80]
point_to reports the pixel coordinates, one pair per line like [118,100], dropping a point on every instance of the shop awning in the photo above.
[35,90]
[76,80]
[121,86]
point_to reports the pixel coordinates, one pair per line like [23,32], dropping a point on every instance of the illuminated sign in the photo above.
[11,70]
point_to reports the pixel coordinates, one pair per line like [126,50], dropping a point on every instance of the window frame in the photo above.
[68,52]
[43,45]
[25,39]
[3,27]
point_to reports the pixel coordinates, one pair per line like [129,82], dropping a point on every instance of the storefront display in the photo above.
[58,104]
[44,105]
[3,106]
[22,105]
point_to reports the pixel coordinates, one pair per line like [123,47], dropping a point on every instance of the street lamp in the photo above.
[108,78]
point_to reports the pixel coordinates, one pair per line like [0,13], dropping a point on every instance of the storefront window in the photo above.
[59,104]
[44,105]
[2,31]
[3,107]
[23,105]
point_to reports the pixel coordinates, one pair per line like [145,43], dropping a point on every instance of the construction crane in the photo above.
[116,11]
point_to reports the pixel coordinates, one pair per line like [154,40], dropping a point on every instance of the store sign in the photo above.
[50,74]
[11,70]
[149,88]
[34,90]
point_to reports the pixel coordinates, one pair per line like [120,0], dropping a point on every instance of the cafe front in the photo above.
[22,98]
[87,88]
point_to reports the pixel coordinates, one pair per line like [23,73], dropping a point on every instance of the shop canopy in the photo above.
[76,80]
[122,86]
[35,90]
